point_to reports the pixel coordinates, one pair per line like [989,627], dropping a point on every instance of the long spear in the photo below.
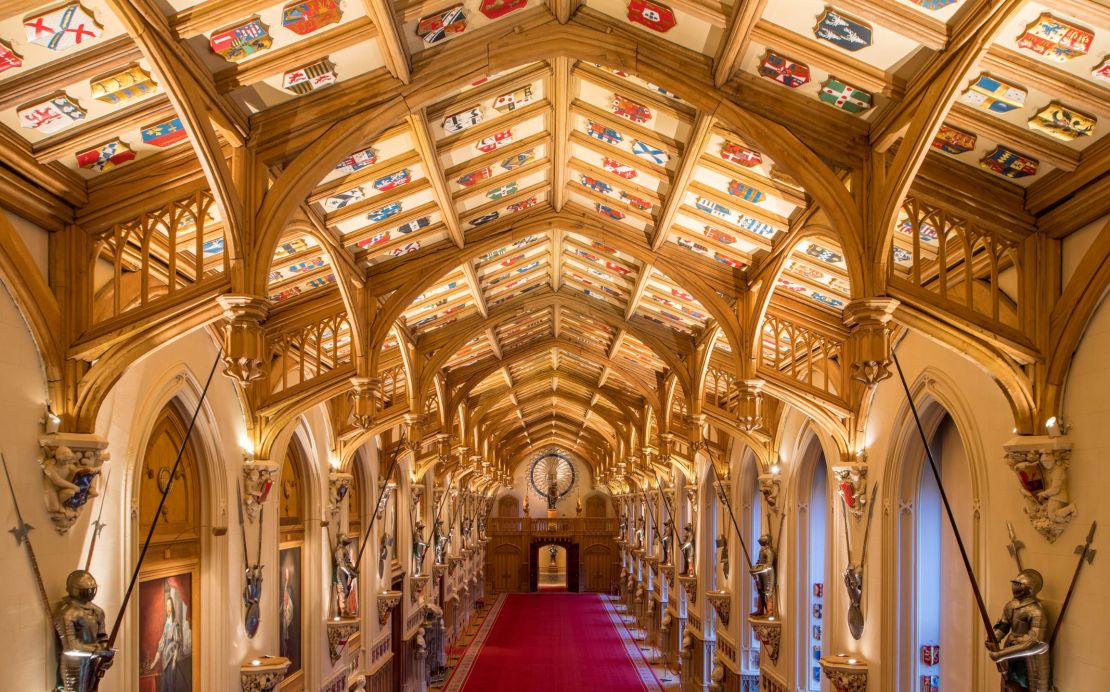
[22,535]
[98,525]
[385,486]
[161,504]
[1086,554]
[728,506]
[947,508]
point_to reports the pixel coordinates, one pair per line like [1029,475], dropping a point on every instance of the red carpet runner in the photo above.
[553,642]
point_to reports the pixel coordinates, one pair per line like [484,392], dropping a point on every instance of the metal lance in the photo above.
[161,504]
[728,506]
[991,636]
[22,533]
[1014,546]
[381,493]
[1086,554]
[98,525]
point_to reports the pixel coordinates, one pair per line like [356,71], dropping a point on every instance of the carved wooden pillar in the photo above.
[749,411]
[366,398]
[245,356]
[869,341]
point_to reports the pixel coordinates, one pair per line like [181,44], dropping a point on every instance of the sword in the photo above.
[22,535]
[98,525]
[1086,554]
[1014,546]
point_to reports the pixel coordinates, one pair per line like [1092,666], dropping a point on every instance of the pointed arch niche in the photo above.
[168,602]
[292,509]
[750,519]
[813,562]
[932,587]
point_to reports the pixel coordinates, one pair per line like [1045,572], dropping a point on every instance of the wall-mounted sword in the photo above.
[1014,546]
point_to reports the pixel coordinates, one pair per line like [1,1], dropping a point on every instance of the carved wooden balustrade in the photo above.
[306,353]
[803,354]
[163,258]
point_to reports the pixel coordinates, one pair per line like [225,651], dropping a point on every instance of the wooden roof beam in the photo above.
[475,288]
[695,145]
[638,291]
[426,146]
[394,50]
[561,88]
[745,14]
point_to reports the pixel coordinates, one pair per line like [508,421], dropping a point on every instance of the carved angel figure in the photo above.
[69,482]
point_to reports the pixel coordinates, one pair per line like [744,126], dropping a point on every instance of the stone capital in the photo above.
[846,673]
[340,631]
[869,323]
[387,601]
[769,633]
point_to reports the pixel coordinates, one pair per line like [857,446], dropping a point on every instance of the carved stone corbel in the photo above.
[749,411]
[769,633]
[340,631]
[390,487]
[244,337]
[366,398]
[846,673]
[417,586]
[722,603]
[770,486]
[689,584]
[851,486]
[869,322]
[258,480]
[263,674]
[1041,464]
[339,484]
[387,601]
[71,467]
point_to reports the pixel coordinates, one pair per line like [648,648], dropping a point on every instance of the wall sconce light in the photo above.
[51,421]
[1056,427]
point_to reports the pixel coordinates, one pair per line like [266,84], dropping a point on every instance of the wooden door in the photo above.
[596,565]
[572,568]
[506,568]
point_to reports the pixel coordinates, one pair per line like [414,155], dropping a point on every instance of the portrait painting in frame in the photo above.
[289,608]
[166,627]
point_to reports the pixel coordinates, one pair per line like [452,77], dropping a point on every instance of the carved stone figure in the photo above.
[668,531]
[1023,634]
[258,480]
[440,540]
[763,571]
[338,486]
[345,574]
[83,656]
[722,545]
[851,485]
[69,482]
[1043,474]
[419,549]
[687,548]
[769,487]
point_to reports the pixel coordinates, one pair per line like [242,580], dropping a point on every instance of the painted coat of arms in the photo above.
[9,60]
[499,8]
[1009,163]
[49,116]
[385,212]
[654,15]
[165,133]
[953,141]
[462,120]
[344,198]
[1062,122]
[357,161]
[627,108]
[309,78]
[105,157]
[241,40]
[518,160]
[744,192]
[609,212]
[473,177]
[785,72]
[844,96]
[388,182]
[1102,71]
[305,17]
[500,139]
[514,99]
[1055,39]
[63,28]
[719,236]
[990,94]
[842,31]
[435,27]
[602,133]
[731,151]
[616,168]
[646,151]
[123,86]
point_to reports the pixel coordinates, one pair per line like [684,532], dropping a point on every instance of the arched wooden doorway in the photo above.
[572,562]
[169,582]
[291,549]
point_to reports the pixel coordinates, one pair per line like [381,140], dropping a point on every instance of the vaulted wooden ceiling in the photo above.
[646,223]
